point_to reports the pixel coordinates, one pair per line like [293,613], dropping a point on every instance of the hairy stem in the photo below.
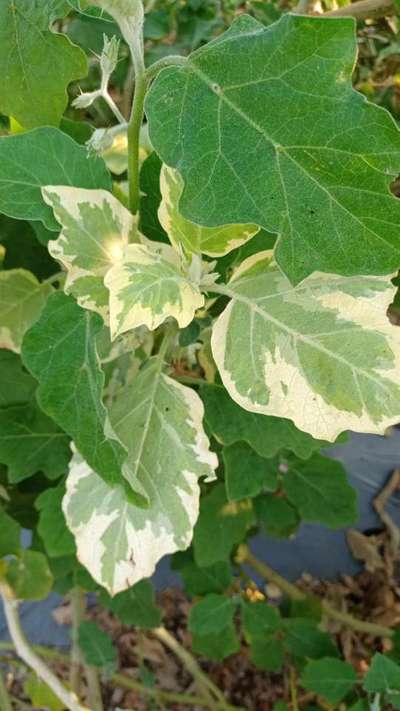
[204,683]
[29,656]
[292,591]
[113,106]
[77,611]
[94,690]
[5,703]
[135,123]
[365,9]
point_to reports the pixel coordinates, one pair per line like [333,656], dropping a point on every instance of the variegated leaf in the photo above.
[214,241]
[160,421]
[22,298]
[95,230]
[147,286]
[322,354]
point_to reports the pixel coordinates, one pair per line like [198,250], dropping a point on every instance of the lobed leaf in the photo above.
[322,354]
[264,126]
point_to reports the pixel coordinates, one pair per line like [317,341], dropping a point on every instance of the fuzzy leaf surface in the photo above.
[322,354]
[214,241]
[95,230]
[264,126]
[148,286]
[22,298]
[330,677]
[60,351]
[38,64]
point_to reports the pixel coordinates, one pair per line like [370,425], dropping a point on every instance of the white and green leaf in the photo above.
[148,286]
[322,354]
[95,230]
[214,241]
[160,421]
[22,298]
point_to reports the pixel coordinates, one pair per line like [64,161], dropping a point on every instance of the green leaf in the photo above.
[222,524]
[319,489]
[229,424]
[160,421]
[304,639]
[267,653]
[150,199]
[29,576]
[148,286]
[194,239]
[280,141]
[22,299]
[200,581]
[96,229]
[246,473]
[52,528]
[60,352]
[45,156]
[333,371]
[135,606]
[22,249]
[259,619]
[96,646]
[383,676]
[212,626]
[16,385]
[329,677]
[31,442]
[211,615]
[38,64]
[41,695]
[278,516]
[10,534]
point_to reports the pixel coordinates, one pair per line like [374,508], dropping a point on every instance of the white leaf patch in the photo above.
[95,230]
[160,421]
[214,241]
[322,354]
[22,298]
[149,286]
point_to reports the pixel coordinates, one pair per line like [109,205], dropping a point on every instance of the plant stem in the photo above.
[135,123]
[29,656]
[113,106]
[293,689]
[169,61]
[125,681]
[5,703]
[202,680]
[365,9]
[292,591]
[77,601]
[94,690]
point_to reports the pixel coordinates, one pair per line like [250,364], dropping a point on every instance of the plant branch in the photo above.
[77,610]
[364,10]
[94,690]
[292,591]
[5,703]
[29,656]
[123,680]
[135,123]
[202,680]
[113,106]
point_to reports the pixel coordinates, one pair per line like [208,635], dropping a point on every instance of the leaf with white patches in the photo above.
[214,241]
[22,298]
[161,423]
[148,286]
[322,354]
[95,230]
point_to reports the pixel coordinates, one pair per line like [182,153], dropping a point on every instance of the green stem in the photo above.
[5,703]
[292,591]
[134,125]
[169,61]
[77,601]
[121,680]
[94,698]
[203,681]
